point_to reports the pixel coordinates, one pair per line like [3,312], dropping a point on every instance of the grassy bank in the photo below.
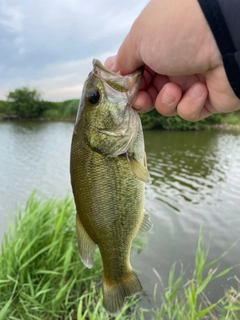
[153,120]
[67,110]
[61,110]
[41,276]
[187,299]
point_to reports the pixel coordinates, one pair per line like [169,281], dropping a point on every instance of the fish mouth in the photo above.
[128,83]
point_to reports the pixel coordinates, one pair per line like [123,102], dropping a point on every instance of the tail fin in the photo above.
[114,293]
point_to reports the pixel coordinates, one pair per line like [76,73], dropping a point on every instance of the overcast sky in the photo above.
[49,44]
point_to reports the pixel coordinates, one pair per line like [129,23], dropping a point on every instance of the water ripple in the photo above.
[195,182]
[194,173]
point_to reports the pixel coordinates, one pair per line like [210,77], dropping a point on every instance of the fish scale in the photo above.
[108,175]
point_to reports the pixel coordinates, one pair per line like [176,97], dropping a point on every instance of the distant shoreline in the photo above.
[66,112]
[40,119]
[214,127]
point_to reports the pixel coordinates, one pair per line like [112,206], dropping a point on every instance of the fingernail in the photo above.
[167,98]
[109,63]
[195,92]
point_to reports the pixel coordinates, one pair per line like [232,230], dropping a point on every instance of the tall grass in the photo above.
[186,299]
[41,276]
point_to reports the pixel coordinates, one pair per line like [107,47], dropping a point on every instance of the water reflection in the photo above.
[185,165]
[195,183]
[33,156]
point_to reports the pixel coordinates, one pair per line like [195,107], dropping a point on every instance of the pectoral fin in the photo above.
[139,170]
[145,159]
[86,245]
[146,224]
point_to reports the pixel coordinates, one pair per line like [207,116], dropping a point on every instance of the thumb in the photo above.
[127,59]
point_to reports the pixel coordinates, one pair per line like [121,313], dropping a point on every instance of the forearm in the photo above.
[223,17]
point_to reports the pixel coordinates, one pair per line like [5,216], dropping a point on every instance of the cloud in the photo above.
[58,81]
[10,18]
[49,44]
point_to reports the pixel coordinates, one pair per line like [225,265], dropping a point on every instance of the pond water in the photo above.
[196,178]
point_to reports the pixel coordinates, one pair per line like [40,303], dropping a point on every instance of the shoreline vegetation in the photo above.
[25,104]
[42,277]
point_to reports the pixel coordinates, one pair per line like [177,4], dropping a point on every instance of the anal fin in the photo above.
[86,245]
[146,224]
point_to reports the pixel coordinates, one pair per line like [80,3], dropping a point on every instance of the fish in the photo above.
[108,171]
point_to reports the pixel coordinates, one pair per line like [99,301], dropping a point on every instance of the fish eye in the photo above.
[93,96]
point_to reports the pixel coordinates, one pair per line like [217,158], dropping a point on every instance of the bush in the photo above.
[25,103]
[71,108]
[61,110]
[5,107]
[154,120]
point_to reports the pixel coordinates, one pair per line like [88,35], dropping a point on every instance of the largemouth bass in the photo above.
[108,174]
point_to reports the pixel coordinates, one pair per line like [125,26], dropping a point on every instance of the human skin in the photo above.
[184,72]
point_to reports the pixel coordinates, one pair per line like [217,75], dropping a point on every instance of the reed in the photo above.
[41,276]
[186,299]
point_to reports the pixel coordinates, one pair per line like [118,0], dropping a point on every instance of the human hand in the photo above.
[184,72]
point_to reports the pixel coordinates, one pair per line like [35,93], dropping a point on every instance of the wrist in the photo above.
[226,34]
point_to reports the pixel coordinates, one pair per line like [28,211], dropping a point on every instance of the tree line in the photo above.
[26,103]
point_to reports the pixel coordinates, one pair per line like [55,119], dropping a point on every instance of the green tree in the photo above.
[26,103]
